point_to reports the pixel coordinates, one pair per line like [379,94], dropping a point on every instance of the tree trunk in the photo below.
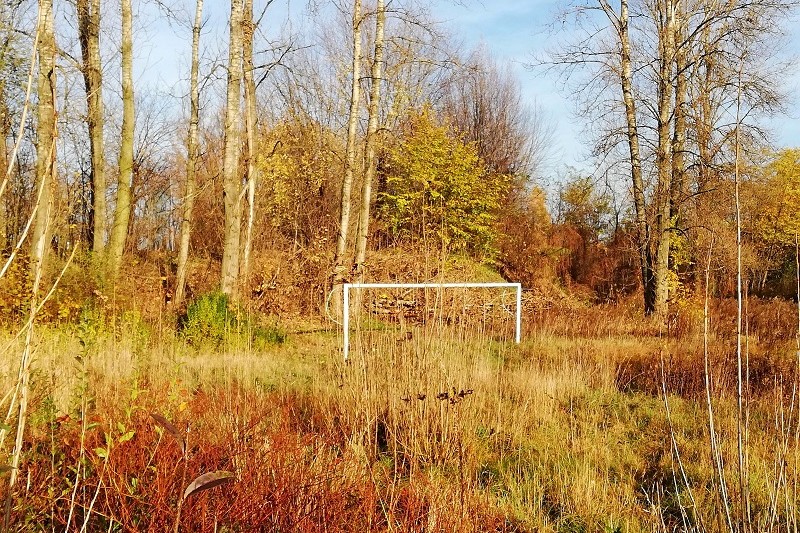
[370,159]
[680,127]
[4,134]
[230,173]
[191,156]
[122,211]
[45,133]
[45,168]
[703,121]
[664,155]
[350,151]
[251,126]
[632,132]
[89,37]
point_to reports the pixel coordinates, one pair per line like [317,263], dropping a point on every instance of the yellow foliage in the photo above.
[437,186]
[776,200]
[295,162]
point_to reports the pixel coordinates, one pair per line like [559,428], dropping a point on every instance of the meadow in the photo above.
[598,421]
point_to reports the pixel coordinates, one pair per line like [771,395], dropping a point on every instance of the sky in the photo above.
[515,31]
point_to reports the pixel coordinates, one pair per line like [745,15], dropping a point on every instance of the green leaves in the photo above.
[437,188]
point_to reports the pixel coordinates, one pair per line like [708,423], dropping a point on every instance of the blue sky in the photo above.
[515,30]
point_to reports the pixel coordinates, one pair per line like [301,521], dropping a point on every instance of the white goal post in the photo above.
[348,286]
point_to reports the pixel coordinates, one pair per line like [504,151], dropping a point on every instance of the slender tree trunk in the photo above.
[632,133]
[370,159]
[231,180]
[664,155]
[122,211]
[741,393]
[704,121]
[350,155]
[89,37]
[191,156]
[679,133]
[45,168]
[251,126]
[4,134]
[45,133]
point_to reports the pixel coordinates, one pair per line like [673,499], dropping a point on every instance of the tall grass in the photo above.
[441,424]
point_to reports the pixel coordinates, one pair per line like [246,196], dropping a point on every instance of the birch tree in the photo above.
[45,157]
[621,25]
[231,182]
[640,92]
[370,157]
[191,155]
[350,150]
[251,127]
[122,210]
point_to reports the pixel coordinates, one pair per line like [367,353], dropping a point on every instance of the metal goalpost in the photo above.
[348,286]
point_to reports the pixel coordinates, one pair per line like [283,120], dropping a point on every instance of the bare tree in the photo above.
[641,80]
[664,15]
[370,157]
[191,156]
[251,126]
[339,273]
[484,104]
[89,37]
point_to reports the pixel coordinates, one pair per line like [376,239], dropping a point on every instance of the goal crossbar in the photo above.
[489,285]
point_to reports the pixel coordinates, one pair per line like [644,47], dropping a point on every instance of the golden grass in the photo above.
[450,427]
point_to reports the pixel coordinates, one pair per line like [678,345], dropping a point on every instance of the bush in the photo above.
[212,319]
[207,319]
[267,335]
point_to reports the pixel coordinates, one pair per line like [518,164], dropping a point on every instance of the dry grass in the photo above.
[442,426]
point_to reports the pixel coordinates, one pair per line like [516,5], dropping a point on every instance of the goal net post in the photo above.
[348,287]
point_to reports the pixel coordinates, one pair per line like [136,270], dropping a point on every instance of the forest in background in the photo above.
[285,159]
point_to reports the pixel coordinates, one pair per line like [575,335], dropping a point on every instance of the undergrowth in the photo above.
[212,319]
[433,425]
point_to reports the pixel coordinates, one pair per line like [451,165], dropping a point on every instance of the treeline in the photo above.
[376,130]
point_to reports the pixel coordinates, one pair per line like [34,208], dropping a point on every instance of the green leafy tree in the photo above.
[437,189]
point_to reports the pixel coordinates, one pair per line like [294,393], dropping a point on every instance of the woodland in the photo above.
[172,264]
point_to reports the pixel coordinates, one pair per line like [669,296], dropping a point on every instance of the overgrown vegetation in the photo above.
[142,367]
[212,318]
[429,427]
[438,192]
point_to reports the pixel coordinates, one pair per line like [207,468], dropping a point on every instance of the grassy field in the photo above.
[598,421]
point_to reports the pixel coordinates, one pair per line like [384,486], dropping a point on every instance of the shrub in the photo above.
[263,336]
[207,319]
[212,318]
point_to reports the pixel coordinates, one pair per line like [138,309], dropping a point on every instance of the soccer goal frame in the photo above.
[348,286]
